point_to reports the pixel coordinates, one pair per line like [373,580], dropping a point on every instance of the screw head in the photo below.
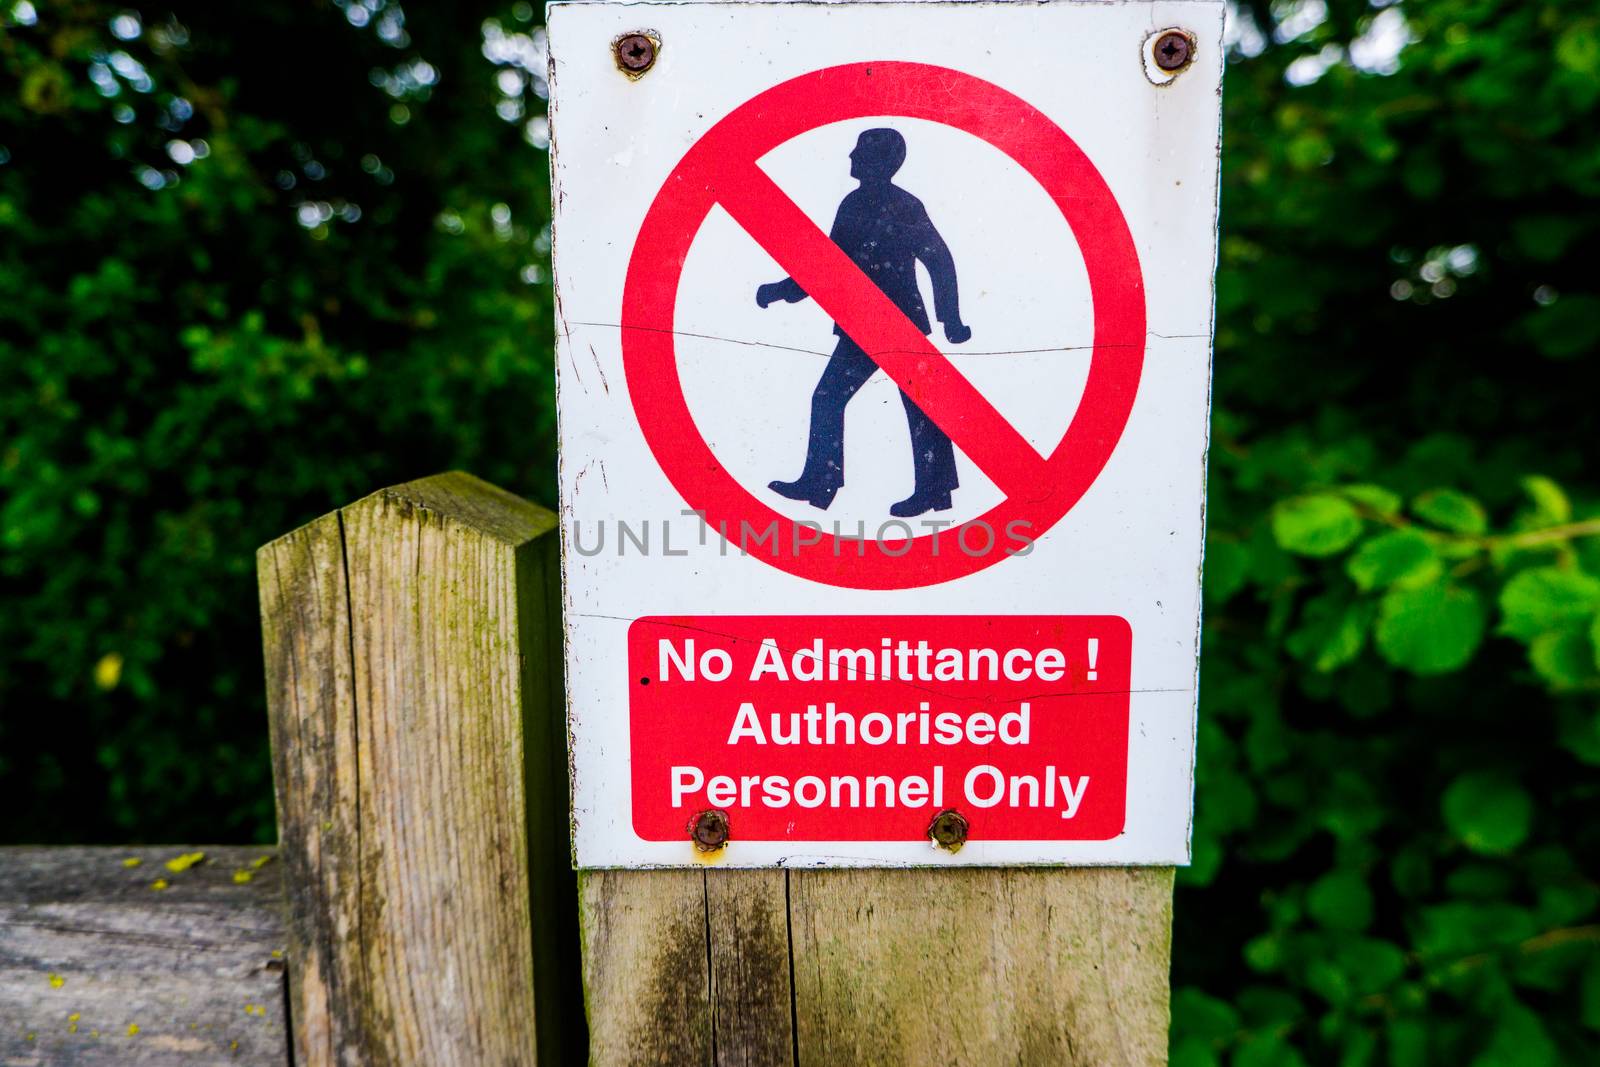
[948,830]
[709,830]
[635,52]
[1173,50]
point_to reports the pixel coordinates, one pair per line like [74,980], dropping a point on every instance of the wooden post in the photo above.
[413,677]
[957,967]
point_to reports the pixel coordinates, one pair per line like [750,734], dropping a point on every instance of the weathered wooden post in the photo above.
[975,706]
[413,674]
[960,967]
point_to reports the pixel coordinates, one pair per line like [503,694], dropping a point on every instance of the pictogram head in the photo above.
[877,155]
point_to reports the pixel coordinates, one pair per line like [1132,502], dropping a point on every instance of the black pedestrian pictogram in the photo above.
[1037,486]
[885,231]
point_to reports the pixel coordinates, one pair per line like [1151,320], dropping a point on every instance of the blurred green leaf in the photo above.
[1385,503]
[1546,598]
[1331,633]
[1340,900]
[1264,953]
[1431,629]
[1550,501]
[1448,932]
[1451,510]
[1317,525]
[1204,1017]
[1488,812]
[1578,47]
[1400,557]
[1372,965]
[1519,1039]
[1564,658]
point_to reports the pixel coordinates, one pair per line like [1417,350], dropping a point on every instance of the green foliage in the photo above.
[1453,511]
[255,261]
[1544,600]
[1405,559]
[1488,813]
[343,286]
[1429,630]
[1319,525]
[1396,837]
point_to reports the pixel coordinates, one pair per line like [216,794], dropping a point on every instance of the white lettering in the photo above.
[1018,674]
[1050,665]
[670,657]
[769,661]
[745,724]
[716,664]
[721,791]
[876,728]
[810,782]
[1019,720]
[812,673]
[683,784]
[913,791]
[1072,796]
[997,787]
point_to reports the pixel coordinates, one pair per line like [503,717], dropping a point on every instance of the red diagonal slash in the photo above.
[722,166]
[882,330]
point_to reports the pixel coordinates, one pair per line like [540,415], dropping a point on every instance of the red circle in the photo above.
[879,90]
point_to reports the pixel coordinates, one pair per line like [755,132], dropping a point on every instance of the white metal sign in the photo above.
[883,367]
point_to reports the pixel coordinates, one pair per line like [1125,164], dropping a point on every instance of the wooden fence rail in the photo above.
[413,650]
[142,957]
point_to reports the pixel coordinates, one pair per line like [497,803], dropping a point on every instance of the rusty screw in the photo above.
[635,52]
[1173,50]
[948,830]
[709,830]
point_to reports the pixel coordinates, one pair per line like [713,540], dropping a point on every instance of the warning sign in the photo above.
[868,285]
[866,728]
[883,373]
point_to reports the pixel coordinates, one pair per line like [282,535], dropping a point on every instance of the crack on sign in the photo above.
[880,352]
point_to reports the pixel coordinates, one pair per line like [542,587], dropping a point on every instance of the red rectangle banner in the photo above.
[863,728]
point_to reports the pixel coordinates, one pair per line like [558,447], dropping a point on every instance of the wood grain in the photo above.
[305,624]
[99,968]
[407,645]
[983,966]
[645,968]
[958,967]
[747,925]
